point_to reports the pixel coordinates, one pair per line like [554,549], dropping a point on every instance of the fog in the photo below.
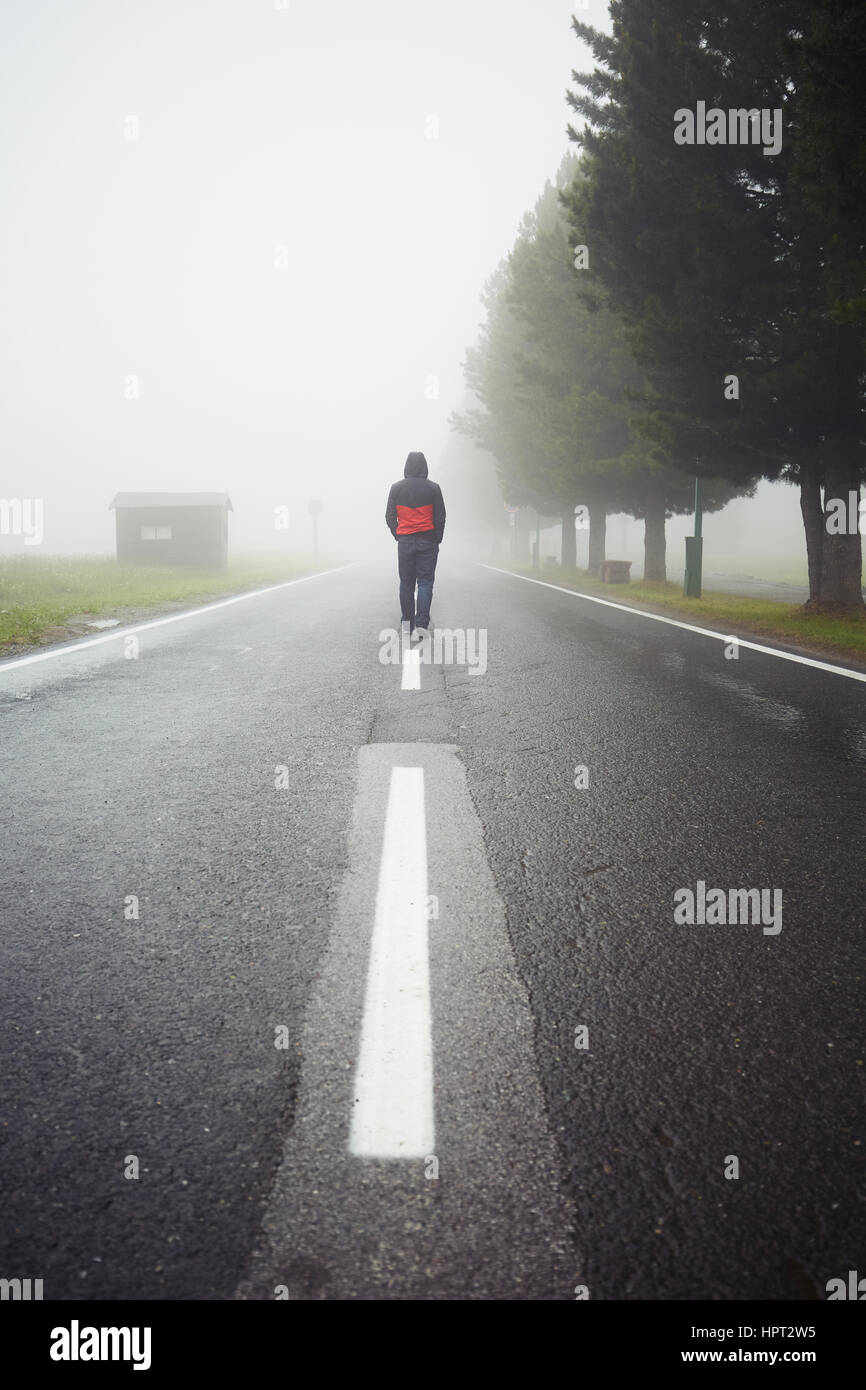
[768,525]
[238,255]
[243,246]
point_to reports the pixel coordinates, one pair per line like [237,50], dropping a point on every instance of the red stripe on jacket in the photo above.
[412,519]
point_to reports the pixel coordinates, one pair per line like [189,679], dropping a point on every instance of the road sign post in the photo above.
[512,522]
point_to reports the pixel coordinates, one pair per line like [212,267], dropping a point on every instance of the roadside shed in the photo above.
[172,528]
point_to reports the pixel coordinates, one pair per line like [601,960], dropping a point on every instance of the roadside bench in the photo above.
[615,571]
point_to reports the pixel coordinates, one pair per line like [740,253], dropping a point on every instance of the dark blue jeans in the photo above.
[416,562]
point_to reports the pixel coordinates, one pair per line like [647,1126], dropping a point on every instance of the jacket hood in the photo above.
[416,466]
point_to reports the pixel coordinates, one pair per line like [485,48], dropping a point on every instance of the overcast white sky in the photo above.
[301,125]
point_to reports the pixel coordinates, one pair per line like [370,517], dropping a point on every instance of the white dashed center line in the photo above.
[411,669]
[393,1095]
[387,1190]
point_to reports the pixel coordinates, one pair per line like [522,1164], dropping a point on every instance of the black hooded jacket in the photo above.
[415,505]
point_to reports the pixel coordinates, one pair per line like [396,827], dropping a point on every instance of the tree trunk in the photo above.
[569,540]
[842,556]
[813,523]
[654,540]
[597,535]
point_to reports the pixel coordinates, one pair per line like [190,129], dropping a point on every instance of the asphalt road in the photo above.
[198,883]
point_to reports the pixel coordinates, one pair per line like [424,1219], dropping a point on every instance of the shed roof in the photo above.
[172,499]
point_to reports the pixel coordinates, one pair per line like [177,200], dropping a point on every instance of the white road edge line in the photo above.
[687,627]
[392,1116]
[411,670]
[160,622]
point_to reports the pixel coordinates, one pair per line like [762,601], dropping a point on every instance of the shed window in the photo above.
[156,533]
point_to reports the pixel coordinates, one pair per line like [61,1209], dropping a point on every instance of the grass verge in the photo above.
[48,599]
[818,634]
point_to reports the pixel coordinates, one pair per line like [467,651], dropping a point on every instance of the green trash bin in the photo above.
[694,566]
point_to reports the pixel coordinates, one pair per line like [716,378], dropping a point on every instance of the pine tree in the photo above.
[722,259]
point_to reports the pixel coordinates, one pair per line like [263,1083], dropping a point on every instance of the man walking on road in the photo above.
[415,516]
